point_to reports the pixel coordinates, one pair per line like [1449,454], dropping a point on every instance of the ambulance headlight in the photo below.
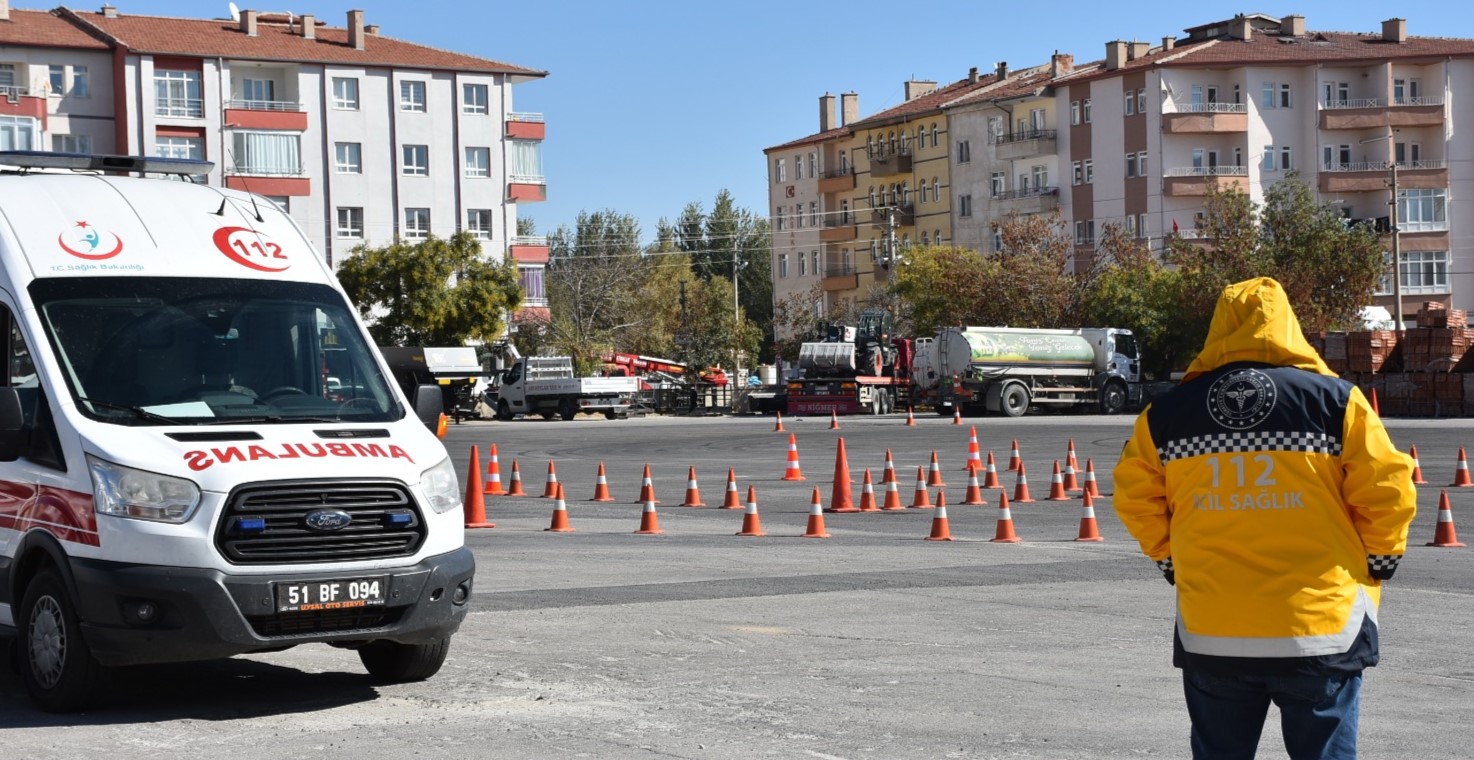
[126,492]
[441,487]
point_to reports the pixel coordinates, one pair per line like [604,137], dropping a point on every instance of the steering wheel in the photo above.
[362,401]
[285,390]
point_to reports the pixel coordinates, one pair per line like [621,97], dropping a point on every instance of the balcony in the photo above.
[1373,176]
[837,181]
[184,108]
[1034,200]
[891,164]
[526,126]
[18,101]
[1369,113]
[529,249]
[901,214]
[1206,119]
[838,230]
[1189,181]
[265,114]
[527,187]
[1032,142]
[844,279]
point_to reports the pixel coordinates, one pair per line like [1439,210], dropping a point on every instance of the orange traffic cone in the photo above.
[649,521]
[1014,460]
[778,426]
[647,488]
[1071,468]
[840,499]
[923,499]
[1005,534]
[731,501]
[793,473]
[940,529]
[1057,485]
[601,487]
[974,457]
[1021,486]
[816,519]
[1375,407]
[888,475]
[990,472]
[751,524]
[974,491]
[934,475]
[493,474]
[1090,487]
[892,495]
[560,515]
[910,417]
[550,490]
[515,489]
[1461,472]
[475,504]
[867,495]
[1445,535]
[833,421]
[956,415]
[693,492]
[1417,467]
[1089,531]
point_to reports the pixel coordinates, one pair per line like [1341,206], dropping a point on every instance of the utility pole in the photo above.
[1396,255]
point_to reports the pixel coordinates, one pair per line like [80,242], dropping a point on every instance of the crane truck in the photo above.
[854,369]
[1009,370]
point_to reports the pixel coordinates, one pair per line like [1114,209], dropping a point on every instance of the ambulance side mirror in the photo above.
[429,403]
[13,434]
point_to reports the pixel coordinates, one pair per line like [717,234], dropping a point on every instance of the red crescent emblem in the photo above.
[252,250]
[117,249]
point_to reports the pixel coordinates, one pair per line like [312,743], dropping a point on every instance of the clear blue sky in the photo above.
[654,104]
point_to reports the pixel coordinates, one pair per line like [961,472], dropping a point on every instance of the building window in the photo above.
[412,96]
[1141,100]
[177,93]
[478,162]
[1422,210]
[275,153]
[345,93]
[1130,104]
[995,129]
[1141,164]
[1424,272]
[964,206]
[814,262]
[964,152]
[531,280]
[258,91]
[416,223]
[179,147]
[798,216]
[1141,225]
[1130,226]
[1285,101]
[473,98]
[798,167]
[934,134]
[71,143]
[995,187]
[1285,159]
[416,161]
[1130,165]
[803,264]
[1268,100]
[350,223]
[813,213]
[57,79]
[814,165]
[780,222]
[997,238]
[1089,165]
[1266,161]
[782,265]
[1085,110]
[1041,177]
[1078,173]
[348,158]
[780,170]
[478,223]
[1074,112]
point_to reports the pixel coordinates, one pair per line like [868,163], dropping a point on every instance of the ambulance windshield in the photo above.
[162,351]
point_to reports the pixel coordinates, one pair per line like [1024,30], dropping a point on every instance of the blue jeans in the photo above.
[1318,714]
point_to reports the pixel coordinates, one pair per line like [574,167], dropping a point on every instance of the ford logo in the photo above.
[328,519]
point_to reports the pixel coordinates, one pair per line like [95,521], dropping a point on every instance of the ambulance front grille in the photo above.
[267,523]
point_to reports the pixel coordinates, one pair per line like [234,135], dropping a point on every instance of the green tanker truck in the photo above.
[1007,370]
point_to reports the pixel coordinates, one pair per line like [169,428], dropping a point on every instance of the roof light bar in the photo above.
[39,159]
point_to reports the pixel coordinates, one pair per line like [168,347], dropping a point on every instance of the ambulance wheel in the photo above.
[392,662]
[55,663]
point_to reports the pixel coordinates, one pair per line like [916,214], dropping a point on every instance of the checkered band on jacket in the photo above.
[1267,440]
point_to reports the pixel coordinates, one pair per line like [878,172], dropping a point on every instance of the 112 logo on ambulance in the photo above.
[251,249]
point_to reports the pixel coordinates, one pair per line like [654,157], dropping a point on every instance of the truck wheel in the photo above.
[1113,398]
[1015,400]
[392,662]
[568,409]
[55,662]
[503,410]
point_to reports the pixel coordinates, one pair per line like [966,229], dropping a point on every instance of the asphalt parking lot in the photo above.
[874,643]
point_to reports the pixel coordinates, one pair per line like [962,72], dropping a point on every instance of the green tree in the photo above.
[943,286]
[1130,288]
[722,239]
[1035,287]
[434,292]
[594,277]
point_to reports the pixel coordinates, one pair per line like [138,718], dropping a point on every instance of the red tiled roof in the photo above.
[818,137]
[43,29]
[1025,83]
[1321,47]
[930,102]
[276,42]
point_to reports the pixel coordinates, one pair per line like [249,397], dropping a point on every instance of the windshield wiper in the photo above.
[272,419]
[137,411]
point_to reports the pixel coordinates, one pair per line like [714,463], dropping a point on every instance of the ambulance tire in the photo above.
[54,661]
[392,662]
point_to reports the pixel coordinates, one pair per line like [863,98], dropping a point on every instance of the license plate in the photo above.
[314,596]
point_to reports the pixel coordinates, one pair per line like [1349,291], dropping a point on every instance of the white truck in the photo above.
[546,385]
[1008,370]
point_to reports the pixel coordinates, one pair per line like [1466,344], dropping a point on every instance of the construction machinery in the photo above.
[855,369]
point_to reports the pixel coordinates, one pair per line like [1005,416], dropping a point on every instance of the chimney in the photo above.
[109,11]
[1001,70]
[849,107]
[1060,64]
[1394,30]
[1292,26]
[371,29]
[248,23]
[4,10]
[1240,27]
[972,74]
[826,112]
[309,27]
[1136,50]
[355,29]
[1115,55]
[1168,43]
[915,88]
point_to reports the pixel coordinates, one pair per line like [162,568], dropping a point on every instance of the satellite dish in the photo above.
[235,13]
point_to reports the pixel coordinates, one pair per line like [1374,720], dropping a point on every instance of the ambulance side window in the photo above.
[20,373]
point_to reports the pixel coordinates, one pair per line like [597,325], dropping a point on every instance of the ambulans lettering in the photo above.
[203,460]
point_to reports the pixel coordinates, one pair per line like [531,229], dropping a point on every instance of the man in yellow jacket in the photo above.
[1268,492]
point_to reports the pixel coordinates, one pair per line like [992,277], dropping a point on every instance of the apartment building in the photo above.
[360,137]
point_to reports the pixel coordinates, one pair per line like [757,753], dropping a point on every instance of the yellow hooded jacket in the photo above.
[1269,488]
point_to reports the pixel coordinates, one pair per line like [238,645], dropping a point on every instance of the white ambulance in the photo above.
[179,479]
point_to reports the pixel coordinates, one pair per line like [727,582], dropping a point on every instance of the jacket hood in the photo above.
[1253,322]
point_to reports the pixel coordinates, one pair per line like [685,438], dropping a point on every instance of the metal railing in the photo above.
[843,171]
[186,107]
[264,105]
[1420,100]
[13,92]
[1030,134]
[1382,166]
[514,116]
[1333,105]
[845,220]
[266,171]
[527,179]
[1030,192]
[839,270]
[1208,171]
[1212,107]
[530,240]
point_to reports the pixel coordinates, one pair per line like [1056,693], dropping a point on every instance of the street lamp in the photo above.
[1396,232]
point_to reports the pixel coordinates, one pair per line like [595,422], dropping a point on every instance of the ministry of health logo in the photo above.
[1241,399]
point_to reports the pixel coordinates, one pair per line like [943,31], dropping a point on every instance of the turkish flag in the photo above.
[1174,225]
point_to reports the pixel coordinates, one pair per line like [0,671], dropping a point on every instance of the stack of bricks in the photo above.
[1440,340]
[1435,314]
[1332,348]
[1366,350]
